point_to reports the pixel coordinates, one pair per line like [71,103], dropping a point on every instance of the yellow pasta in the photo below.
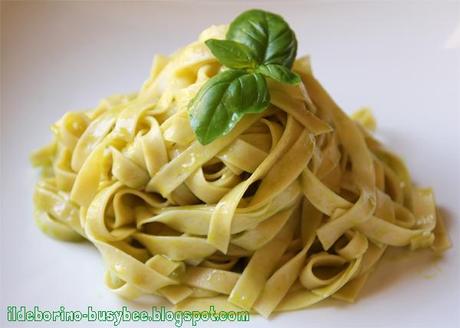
[294,205]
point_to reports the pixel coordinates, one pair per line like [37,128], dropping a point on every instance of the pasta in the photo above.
[295,205]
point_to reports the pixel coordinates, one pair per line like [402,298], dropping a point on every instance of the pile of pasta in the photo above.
[295,205]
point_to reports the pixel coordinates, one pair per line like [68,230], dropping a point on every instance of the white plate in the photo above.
[396,58]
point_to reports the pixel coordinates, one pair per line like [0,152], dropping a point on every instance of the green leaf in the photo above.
[269,37]
[232,54]
[223,100]
[279,73]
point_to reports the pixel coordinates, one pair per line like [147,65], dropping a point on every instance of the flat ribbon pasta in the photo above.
[294,205]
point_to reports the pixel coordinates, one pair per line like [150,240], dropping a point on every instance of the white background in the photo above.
[393,56]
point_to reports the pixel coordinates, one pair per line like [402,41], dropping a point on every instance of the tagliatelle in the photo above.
[294,205]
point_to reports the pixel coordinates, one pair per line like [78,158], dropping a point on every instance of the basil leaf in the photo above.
[232,54]
[279,73]
[223,100]
[268,36]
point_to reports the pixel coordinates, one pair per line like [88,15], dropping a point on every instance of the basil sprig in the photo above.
[258,45]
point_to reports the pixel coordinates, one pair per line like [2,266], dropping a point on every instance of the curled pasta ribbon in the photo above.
[354,246]
[320,271]
[295,205]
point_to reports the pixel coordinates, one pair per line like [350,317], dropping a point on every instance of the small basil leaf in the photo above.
[268,36]
[279,73]
[231,54]
[223,100]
